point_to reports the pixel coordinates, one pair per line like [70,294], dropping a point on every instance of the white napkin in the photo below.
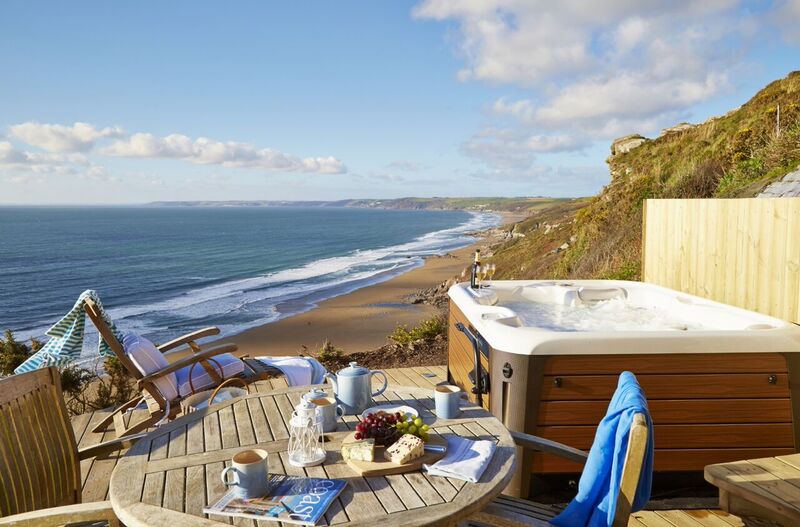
[465,459]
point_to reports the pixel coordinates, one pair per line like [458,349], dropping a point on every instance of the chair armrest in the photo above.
[189,337]
[188,361]
[56,516]
[107,447]
[541,444]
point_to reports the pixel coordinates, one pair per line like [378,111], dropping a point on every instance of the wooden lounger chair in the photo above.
[158,405]
[505,511]
[40,464]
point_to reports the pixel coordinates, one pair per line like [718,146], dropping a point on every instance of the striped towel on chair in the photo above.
[66,342]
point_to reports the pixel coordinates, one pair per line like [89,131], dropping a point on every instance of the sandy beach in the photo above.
[361,320]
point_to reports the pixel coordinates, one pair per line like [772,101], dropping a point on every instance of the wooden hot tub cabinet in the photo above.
[706,407]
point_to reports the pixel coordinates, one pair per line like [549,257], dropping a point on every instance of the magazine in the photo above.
[291,499]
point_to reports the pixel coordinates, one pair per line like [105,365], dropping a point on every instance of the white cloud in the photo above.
[84,138]
[80,137]
[203,151]
[588,63]
[590,71]
[13,159]
[513,150]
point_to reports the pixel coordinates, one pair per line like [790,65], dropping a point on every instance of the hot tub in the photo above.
[717,377]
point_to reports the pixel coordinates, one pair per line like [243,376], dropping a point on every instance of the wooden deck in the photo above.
[96,473]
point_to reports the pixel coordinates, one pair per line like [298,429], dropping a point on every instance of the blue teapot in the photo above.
[353,387]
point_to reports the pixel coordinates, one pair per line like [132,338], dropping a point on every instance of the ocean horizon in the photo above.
[165,271]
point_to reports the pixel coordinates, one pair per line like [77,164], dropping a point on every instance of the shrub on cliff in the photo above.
[426,330]
[13,353]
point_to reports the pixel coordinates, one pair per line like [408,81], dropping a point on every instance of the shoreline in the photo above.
[362,319]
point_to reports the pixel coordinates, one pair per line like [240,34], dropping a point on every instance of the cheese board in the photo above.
[382,467]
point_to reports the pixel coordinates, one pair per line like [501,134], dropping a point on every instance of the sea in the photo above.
[165,271]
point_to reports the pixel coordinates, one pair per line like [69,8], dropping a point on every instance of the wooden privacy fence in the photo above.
[744,252]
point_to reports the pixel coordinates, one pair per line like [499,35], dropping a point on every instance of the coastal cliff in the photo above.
[750,150]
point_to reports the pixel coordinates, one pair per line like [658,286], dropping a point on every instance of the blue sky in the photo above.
[329,100]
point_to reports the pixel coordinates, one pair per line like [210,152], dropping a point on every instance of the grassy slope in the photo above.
[735,155]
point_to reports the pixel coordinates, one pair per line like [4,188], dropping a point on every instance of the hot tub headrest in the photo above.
[596,294]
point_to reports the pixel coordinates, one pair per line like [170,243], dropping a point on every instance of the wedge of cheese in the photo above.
[363,450]
[405,449]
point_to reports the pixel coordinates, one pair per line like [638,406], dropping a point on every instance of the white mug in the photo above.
[447,398]
[250,473]
[330,412]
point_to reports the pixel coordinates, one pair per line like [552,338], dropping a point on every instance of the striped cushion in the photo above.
[231,367]
[148,359]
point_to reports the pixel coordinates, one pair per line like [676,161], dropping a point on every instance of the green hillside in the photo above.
[734,155]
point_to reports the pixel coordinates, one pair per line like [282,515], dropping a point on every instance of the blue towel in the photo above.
[66,342]
[596,501]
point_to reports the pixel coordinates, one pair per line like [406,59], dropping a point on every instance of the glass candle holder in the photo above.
[305,436]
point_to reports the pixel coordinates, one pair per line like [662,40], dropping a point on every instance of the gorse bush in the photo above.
[426,330]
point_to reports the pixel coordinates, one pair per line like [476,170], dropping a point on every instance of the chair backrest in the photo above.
[111,340]
[631,469]
[39,466]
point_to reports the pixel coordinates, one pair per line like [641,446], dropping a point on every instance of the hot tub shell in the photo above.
[727,390]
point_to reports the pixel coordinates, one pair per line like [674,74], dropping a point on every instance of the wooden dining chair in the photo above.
[160,407]
[506,511]
[40,473]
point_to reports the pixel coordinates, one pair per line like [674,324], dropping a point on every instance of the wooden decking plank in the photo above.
[730,518]
[679,518]
[650,519]
[101,470]
[80,424]
[401,378]
[90,438]
[392,380]
[714,518]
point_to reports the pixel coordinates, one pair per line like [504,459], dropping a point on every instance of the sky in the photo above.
[131,102]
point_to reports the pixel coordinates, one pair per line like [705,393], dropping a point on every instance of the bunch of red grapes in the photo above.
[380,426]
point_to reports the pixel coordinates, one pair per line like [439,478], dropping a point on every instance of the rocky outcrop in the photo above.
[677,129]
[627,143]
[787,187]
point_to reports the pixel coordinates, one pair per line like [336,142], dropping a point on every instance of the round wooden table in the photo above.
[172,473]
